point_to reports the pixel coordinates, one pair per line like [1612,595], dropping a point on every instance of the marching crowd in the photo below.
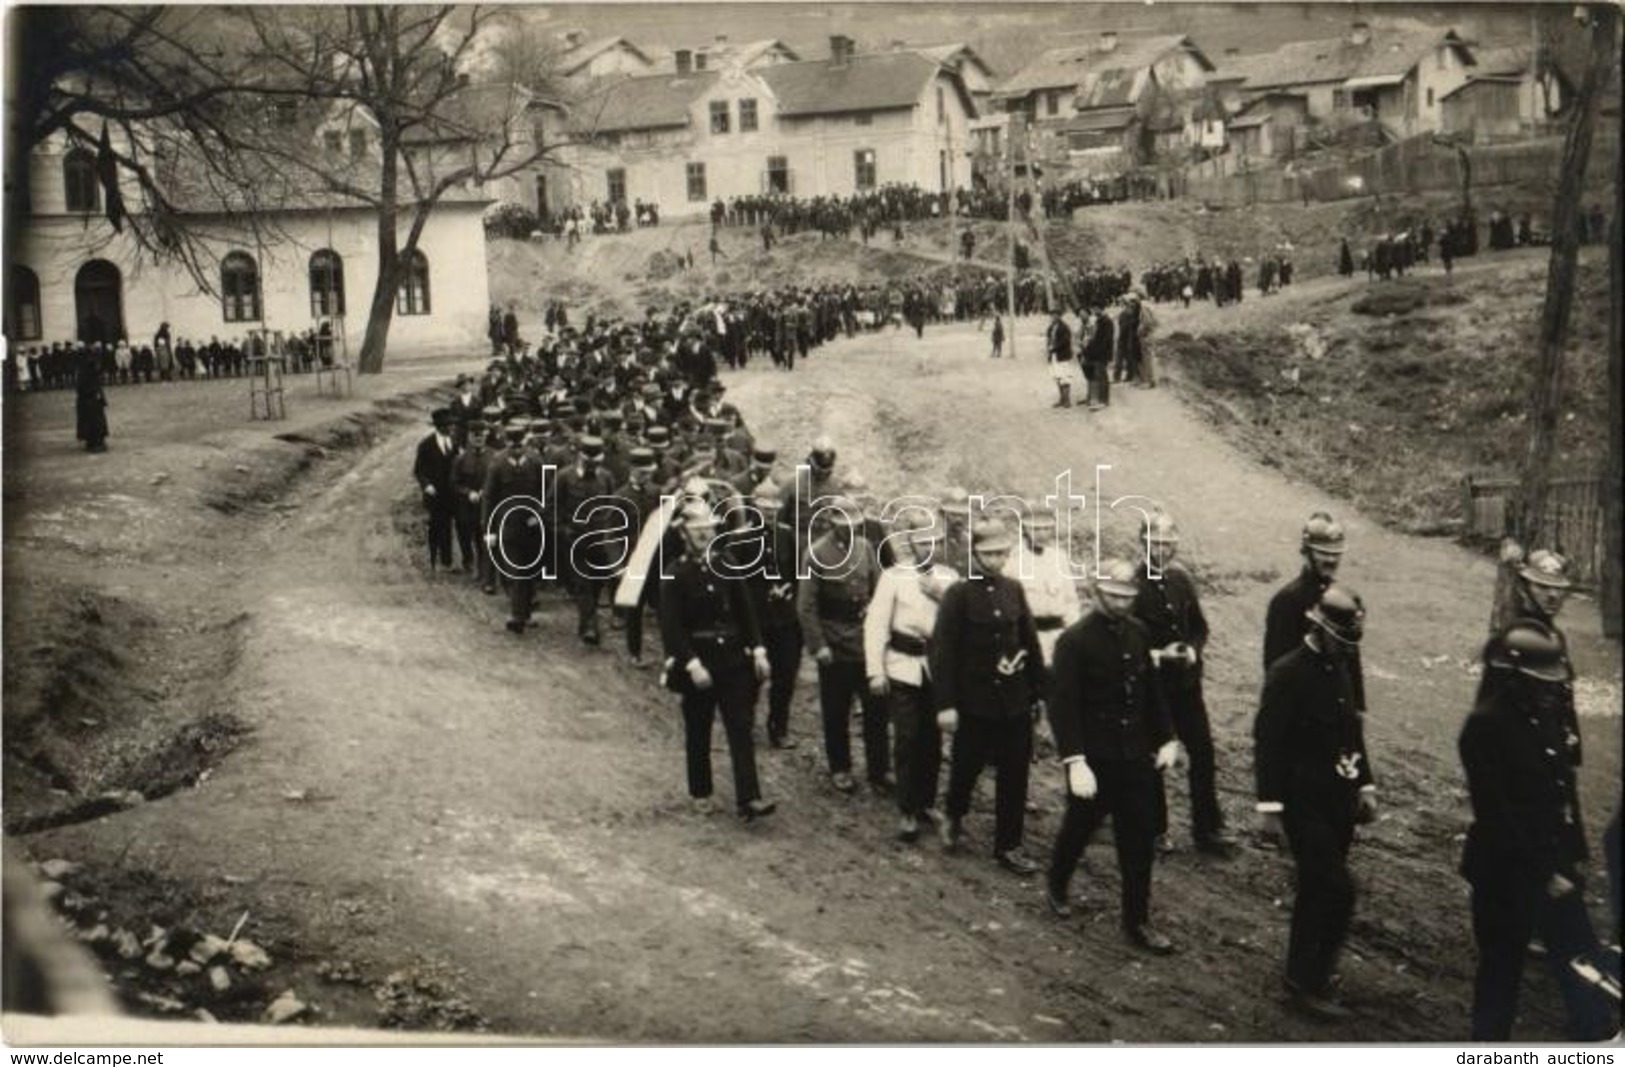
[952,661]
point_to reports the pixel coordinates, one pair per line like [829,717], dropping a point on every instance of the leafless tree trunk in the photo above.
[1613,576]
[1535,487]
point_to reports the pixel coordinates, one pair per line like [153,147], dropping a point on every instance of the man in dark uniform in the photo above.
[513,495]
[1526,846]
[1285,623]
[587,564]
[987,674]
[467,481]
[1097,359]
[773,589]
[432,469]
[841,572]
[1315,783]
[1113,734]
[715,660]
[641,497]
[1168,607]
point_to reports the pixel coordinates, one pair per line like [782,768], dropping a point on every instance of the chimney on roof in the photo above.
[721,41]
[573,38]
[840,50]
[1360,33]
[685,61]
[1228,52]
[898,44]
[1108,40]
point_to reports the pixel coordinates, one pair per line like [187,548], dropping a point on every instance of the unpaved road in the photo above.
[513,808]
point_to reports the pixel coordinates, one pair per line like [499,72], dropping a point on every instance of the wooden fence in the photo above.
[1572,524]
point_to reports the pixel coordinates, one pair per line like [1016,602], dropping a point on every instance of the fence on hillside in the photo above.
[1572,524]
[1412,165]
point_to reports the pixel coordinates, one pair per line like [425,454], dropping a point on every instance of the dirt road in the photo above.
[422,789]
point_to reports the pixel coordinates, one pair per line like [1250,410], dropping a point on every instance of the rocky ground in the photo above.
[240,714]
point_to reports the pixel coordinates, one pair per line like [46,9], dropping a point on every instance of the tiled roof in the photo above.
[1068,66]
[648,102]
[585,53]
[866,82]
[1509,60]
[1116,118]
[1387,53]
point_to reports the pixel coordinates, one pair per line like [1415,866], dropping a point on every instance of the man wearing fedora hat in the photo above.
[1315,784]
[432,469]
[1113,735]
[987,675]
[896,639]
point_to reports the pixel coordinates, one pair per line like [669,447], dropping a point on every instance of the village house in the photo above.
[582,60]
[1110,103]
[1507,94]
[304,260]
[832,127]
[1398,78]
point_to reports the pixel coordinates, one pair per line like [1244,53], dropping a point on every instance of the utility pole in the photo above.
[1526,517]
[1010,225]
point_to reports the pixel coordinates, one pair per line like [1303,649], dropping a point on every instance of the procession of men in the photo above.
[945,642]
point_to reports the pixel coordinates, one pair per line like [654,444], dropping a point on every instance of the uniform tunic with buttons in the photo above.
[1310,740]
[1170,611]
[1108,705]
[985,658]
[707,616]
[833,600]
[1285,626]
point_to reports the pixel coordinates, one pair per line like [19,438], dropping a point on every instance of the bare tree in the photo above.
[142,88]
[403,73]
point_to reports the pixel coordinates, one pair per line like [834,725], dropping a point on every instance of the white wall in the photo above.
[55,247]
[1441,71]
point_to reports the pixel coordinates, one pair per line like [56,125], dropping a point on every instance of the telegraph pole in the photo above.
[1010,226]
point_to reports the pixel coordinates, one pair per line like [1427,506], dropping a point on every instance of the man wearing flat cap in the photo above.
[432,469]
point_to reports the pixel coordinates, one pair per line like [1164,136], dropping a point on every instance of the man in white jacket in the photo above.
[896,631]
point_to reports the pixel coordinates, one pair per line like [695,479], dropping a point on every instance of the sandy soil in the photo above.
[502,821]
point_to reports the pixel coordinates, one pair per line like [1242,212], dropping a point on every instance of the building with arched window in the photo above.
[289,269]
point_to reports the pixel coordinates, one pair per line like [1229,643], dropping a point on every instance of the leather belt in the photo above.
[907,644]
[1049,622]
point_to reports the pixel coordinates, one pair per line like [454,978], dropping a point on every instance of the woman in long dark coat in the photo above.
[91,407]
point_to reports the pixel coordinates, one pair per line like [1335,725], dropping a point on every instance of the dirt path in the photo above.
[421,786]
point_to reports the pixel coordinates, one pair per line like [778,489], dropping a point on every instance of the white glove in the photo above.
[1080,780]
[490,540]
[1167,755]
[428,490]
[824,657]
[1558,886]
[763,669]
[879,685]
[698,674]
[947,720]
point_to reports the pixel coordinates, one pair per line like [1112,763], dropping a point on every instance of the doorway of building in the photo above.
[98,299]
[778,174]
[541,197]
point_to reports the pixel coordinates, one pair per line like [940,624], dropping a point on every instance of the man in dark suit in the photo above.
[512,496]
[436,454]
[1097,358]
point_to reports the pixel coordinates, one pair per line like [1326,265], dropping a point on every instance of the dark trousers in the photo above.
[733,693]
[838,684]
[1189,713]
[470,537]
[916,747]
[586,592]
[650,597]
[440,523]
[1128,793]
[1007,744]
[1324,906]
[784,659]
[1506,913]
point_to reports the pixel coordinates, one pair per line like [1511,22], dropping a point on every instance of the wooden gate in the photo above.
[1572,523]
